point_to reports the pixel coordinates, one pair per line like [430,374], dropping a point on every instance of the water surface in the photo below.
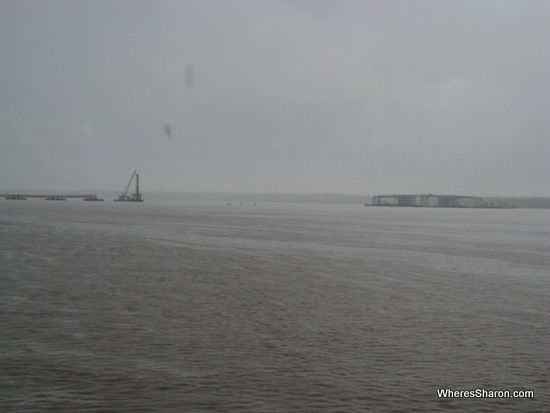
[274,308]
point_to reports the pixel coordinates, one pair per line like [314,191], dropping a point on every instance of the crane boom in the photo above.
[125,195]
[127,187]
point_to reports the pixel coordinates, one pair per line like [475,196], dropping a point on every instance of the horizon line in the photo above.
[324,193]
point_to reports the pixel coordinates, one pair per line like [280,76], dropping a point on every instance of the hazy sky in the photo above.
[276,96]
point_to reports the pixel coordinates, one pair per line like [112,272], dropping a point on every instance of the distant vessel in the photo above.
[125,196]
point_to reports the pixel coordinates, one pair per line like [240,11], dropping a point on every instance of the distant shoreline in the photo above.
[314,198]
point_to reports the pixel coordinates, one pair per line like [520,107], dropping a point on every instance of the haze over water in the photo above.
[309,308]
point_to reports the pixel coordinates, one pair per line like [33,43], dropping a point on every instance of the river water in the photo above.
[196,307]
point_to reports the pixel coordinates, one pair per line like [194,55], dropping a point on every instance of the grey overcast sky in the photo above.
[339,96]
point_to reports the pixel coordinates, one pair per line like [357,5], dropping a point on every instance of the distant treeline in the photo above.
[258,197]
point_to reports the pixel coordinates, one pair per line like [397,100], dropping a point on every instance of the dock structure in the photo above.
[427,200]
[52,197]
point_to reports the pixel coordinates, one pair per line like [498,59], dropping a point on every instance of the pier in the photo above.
[51,197]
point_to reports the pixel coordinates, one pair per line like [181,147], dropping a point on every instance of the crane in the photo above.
[135,197]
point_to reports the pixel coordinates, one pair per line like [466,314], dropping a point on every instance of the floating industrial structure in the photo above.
[125,195]
[431,200]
